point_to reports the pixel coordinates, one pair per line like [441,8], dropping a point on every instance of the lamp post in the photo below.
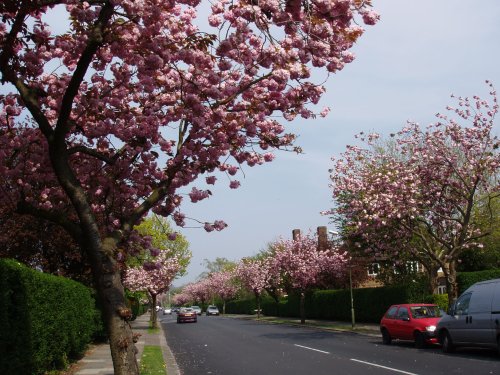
[353,320]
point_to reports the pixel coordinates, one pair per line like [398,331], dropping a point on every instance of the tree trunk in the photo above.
[432,270]
[302,308]
[154,315]
[116,314]
[258,306]
[450,273]
[224,307]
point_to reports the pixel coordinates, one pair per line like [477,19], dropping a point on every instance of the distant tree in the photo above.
[161,236]
[256,275]
[224,286]
[302,265]
[153,277]
[421,196]
[220,264]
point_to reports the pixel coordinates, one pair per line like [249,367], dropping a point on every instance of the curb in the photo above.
[320,328]
[170,362]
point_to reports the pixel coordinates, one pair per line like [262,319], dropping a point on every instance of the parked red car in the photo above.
[416,322]
[186,314]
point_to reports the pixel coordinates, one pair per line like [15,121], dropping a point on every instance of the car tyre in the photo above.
[419,340]
[446,342]
[386,337]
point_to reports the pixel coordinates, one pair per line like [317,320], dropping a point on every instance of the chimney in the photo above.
[295,234]
[322,239]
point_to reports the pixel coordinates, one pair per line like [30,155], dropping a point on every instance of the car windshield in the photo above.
[212,307]
[419,312]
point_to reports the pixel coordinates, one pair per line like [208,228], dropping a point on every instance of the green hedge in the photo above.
[241,306]
[46,320]
[466,279]
[369,303]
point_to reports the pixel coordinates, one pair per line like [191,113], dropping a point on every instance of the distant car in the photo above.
[167,311]
[212,310]
[414,322]
[186,314]
[175,309]
[158,308]
[197,309]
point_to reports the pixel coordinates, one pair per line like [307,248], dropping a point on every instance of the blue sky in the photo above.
[406,68]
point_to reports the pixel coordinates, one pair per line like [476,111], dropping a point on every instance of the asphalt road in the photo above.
[228,346]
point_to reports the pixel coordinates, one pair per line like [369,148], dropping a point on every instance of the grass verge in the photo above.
[152,361]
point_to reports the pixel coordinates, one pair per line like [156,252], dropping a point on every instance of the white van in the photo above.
[474,319]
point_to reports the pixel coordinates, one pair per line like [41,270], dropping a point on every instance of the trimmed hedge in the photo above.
[45,319]
[466,279]
[370,304]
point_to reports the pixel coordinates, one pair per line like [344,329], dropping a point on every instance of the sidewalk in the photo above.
[98,360]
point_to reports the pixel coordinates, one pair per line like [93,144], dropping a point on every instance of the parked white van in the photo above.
[474,319]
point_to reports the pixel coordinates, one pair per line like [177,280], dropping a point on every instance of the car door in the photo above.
[405,328]
[459,324]
[495,310]
[390,320]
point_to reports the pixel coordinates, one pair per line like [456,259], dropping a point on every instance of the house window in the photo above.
[373,269]
[441,289]
[413,266]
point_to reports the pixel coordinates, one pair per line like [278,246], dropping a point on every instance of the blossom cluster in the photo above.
[154,277]
[420,191]
[133,101]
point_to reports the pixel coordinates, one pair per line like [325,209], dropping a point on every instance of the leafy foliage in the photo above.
[46,320]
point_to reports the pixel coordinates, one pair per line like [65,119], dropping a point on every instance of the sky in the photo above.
[407,67]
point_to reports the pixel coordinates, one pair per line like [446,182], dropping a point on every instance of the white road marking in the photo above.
[387,368]
[316,350]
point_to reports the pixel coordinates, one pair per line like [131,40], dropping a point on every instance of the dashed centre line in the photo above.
[316,350]
[384,367]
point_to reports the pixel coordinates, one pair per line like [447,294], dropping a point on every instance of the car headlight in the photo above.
[430,328]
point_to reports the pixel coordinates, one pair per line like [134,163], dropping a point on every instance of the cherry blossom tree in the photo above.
[302,265]
[121,106]
[181,299]
[256,275]
[420,196]
[223,285]
[200,291]
[153,278]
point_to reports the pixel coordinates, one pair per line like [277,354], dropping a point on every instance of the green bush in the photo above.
[439,299]
[46,319]
[241,306]
[466,279]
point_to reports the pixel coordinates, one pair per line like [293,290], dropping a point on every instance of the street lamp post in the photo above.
[353,321]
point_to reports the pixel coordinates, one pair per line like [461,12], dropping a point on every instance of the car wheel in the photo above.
[446,342]
[419,340]
[386,337]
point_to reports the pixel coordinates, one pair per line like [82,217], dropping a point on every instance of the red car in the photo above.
[186,314]
[416,322]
